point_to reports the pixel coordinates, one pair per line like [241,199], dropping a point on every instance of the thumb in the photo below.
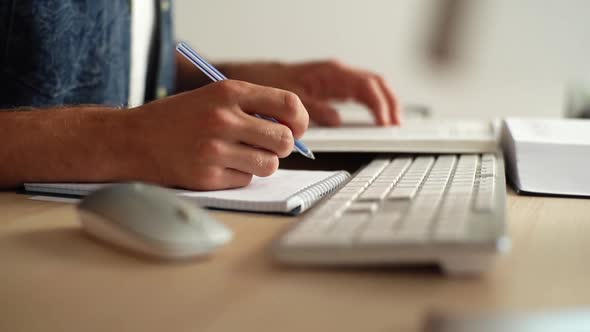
[322,113]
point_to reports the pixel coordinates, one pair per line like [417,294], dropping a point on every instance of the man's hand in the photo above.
[204,139]
[318,83]
[208,139]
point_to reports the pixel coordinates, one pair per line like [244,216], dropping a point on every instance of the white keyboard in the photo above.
[415,136]
[445,209]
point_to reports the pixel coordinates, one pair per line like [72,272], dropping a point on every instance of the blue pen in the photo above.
[215,75]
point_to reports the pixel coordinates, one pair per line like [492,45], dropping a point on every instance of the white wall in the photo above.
[517,55]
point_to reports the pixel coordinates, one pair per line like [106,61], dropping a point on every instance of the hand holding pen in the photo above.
[208,138]
[215,75]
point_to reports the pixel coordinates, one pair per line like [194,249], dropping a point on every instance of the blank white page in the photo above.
[286,191]
[276,188]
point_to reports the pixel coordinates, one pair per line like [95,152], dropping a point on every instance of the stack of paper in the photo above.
[548,156]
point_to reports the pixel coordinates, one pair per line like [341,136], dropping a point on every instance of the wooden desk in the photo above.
[54,278]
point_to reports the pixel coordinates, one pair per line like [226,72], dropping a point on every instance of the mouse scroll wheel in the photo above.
[182,214]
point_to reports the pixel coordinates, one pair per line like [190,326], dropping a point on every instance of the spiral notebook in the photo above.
[286,191]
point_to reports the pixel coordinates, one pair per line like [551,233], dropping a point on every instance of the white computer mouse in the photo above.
[151,220]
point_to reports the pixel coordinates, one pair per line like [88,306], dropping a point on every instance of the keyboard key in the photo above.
[380,229]
[350,189]
[374,194]
[344,196]
[384,221]
[360,207]
[403,193]
[350,223]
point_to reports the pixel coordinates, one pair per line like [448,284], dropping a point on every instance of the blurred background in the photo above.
[470,59]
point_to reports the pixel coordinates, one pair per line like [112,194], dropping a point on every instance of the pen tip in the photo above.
[304,151]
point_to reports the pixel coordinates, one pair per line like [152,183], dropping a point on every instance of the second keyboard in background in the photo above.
[415,136]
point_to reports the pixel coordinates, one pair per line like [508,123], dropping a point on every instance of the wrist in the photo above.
[128,137]
[143,145]
[109,145]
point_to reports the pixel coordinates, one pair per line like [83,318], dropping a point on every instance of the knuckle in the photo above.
[268,132]
[220,118]
[212,148]
[230,88]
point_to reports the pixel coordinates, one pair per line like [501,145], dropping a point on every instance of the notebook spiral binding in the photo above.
[313,193]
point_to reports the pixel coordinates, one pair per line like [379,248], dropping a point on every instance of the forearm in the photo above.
[86,144]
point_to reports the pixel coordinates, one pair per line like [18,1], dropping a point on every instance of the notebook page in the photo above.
[276,188]
[286,191]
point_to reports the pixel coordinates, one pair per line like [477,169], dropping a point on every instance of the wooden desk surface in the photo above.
[53,278]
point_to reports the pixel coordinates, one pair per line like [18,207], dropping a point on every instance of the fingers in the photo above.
[322,113]
[235,179]
[333,80]
[368,92]
[274,137]
[284,106]
[250,160]
[223,164]
[392,103]
[218,178]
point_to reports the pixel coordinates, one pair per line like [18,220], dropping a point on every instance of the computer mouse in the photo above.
[152,221]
